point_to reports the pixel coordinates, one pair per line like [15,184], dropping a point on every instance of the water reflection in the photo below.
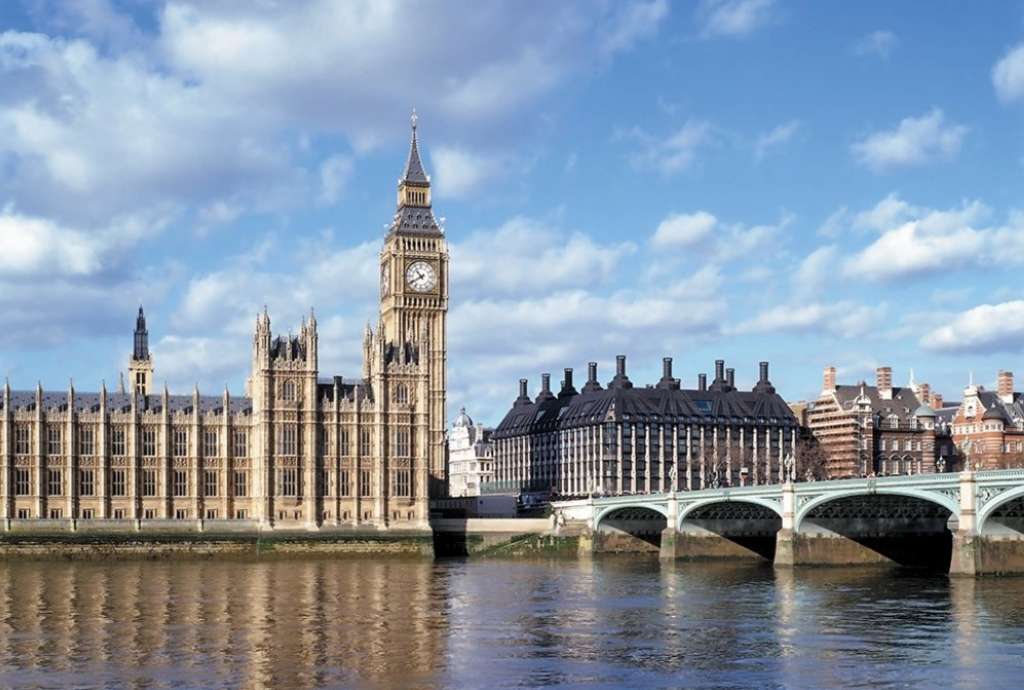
[605,622]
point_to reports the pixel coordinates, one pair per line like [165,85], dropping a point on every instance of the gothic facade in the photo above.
[297,450]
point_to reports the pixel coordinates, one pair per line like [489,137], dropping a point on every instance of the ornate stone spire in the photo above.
[414,172]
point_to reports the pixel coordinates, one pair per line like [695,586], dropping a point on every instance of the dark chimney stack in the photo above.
[567,387]
[545,383]
[719,370]
[620,380]
[730,378]
[666,368]
[702,382]
[523,387]
[763,384]
[591,384]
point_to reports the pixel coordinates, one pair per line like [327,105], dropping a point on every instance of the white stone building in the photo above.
[471,456]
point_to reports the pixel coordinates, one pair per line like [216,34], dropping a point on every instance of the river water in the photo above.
[606,623]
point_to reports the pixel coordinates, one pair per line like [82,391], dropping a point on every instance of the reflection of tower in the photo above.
[140,366]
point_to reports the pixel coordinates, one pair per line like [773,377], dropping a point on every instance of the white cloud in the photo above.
[335,174]
[527,256]
[635,22]
[1008,75]
[878,43]
[776,137]
[886,214]
[986,328]
[842,319]
[684,229]
[733,18]
[915,141]
[816,268]
[459,171]
[675,152]
[933,241]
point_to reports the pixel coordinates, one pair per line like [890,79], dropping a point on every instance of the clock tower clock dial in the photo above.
[420,276]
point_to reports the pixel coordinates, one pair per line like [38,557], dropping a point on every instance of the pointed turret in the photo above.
[141,351]
[140,367]
[414,215]
[414,172]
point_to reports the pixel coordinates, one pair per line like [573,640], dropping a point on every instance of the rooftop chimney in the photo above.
[936,401]
[924,392]
[829,385]
[702,382]
[763,384]
[545,388]
[883,381]
[567,387]
[592,384]
[1005,386]
[730,378]
[666,375]
[524,396]
[620,380]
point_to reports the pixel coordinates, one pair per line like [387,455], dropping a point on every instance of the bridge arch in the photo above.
[1000,503]
[607,511]
[694,507]
[939,499]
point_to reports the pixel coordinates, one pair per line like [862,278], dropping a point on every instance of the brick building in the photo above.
[988,427]
[880,429]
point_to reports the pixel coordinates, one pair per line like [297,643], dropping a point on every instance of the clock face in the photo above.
[420,276]
[385,279]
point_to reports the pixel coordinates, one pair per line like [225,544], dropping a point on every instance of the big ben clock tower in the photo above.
[414,303]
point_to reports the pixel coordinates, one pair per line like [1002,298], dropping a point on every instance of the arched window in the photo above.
[401,394]
[288,390]
[364,443]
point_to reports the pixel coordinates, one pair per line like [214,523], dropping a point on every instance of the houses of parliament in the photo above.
[298,450]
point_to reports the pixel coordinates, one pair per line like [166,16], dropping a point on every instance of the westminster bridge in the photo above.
[970,522]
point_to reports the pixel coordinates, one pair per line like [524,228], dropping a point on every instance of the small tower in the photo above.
[140,367]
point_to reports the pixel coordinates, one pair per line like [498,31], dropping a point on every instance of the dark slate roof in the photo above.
[904,402]
[995,408]
[121,402]
[347,387]
[644,405]
[291,347]
[414,171]
[415,220]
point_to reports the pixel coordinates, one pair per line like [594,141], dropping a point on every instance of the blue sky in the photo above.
[807,183]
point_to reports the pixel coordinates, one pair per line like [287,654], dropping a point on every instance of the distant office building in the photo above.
[622,439]
[470,457]
[988,426]
[880,429]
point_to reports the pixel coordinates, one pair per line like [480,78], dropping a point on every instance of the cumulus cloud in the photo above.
[775,138]
[684,229]
[526,256]
[816,268]
[671,154]
[842,319]
[459,172]
[932,240]
[986,328]
[878,43]
[1008,75]
[733,18]
[915,141]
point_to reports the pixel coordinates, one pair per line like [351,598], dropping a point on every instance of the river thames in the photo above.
[606,623]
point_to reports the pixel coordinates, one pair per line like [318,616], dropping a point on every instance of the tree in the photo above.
[811,460]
